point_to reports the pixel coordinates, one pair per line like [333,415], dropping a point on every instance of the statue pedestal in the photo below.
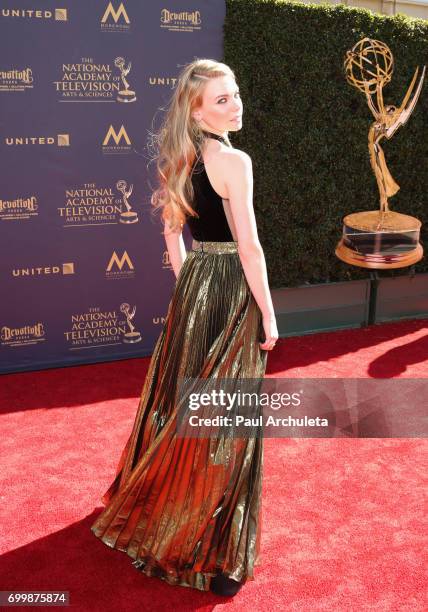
[380,240]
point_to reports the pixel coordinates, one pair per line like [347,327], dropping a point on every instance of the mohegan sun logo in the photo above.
[115,19]
[23,335]
[19,208]
[116,142]
[118,268]
[16,80]
[184,21]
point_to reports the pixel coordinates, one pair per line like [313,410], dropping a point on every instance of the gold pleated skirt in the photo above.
[185,508]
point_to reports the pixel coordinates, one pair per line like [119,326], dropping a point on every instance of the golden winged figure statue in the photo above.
[369,66]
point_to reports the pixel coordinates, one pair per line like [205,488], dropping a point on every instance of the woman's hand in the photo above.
[271,333]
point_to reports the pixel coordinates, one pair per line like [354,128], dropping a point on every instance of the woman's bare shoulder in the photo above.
[231,160]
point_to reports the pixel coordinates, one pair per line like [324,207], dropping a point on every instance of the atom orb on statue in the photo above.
[369,65]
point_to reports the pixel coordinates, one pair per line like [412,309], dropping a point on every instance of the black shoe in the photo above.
[223,585]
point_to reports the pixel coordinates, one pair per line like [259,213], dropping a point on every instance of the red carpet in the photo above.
[343,519]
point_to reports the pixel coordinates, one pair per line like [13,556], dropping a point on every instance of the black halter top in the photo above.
[212,224]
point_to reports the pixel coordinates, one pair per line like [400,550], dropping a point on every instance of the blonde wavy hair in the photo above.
[178,142]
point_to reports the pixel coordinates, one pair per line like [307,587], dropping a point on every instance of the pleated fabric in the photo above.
[185,508]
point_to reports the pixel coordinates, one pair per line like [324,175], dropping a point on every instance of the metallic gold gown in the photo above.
[183,508]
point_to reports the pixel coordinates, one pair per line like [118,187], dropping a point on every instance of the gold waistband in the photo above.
[214,247]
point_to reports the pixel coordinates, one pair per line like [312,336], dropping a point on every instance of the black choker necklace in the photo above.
[217,136]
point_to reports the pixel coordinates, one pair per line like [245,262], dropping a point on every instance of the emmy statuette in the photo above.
[380,239]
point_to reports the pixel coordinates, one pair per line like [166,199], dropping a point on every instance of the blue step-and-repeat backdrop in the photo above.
[84,270]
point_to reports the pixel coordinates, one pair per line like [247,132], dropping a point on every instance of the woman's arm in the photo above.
[176,248]
[238,177]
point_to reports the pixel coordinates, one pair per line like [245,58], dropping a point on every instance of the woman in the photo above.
[187,510]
